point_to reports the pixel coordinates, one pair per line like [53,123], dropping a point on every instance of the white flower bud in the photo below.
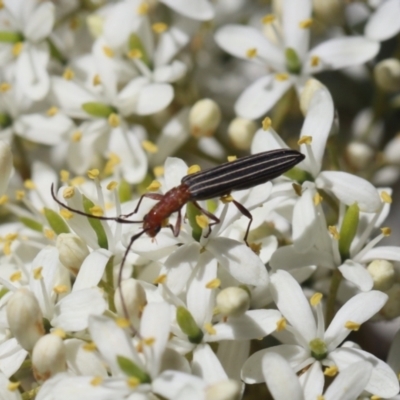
[391,309]
[387,75]
[72,251]
[382,273]
[204,118]
[25,318]
[241,132]
[48,357]
[6,165]
[392,150]
[359,155]
[134,298]
[330,12]
[224,390]
[233,301]
[306,95]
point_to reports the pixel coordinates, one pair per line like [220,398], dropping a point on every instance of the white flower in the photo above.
[200,10]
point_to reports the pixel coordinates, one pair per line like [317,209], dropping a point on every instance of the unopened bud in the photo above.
[224,390]
[382,273]
[241,132]
[204,118]
[25,318]
[134,299]
[233,301]
[72,251]
[48,357]
[392,150]
[391,309]
[306,95]
[387,75]
[6,165]
[330,12]
[359,155]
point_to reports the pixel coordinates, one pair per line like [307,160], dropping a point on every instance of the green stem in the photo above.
[110,284]
[333,290]
[21,163]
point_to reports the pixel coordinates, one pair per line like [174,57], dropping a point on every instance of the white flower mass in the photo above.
[105,105]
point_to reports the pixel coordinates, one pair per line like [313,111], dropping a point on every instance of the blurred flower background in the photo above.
[110,100]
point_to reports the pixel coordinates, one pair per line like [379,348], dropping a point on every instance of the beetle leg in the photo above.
[247,214]
[154,196]
[215,219]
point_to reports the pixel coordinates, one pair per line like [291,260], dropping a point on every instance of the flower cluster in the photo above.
[105,106]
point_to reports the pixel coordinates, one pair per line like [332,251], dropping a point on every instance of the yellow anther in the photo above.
[66,214]
[160,279]
[16,276]
[298,189]
[209,328]
[5,87]
[202,221]
[164,223]
[89,346]
[281,325]
[97,211]
[266,123]
[317,199]
[68,192]
[256,248]
[251,53]
[78,180]
[68,74]
[193,169]
[316,299]
[305,140]
[281,76]
[353,326]
[149,146]
[29,184]
[19,195]
[17,48]
[96,80]
[226,199]
[232,158]
[149,341]
[96,381]
[59,332]
[386,231]
[52,111]
[331,371]
[135,54]
[108,51]
[11,236]
[306,23]
[122,322]
[158,171]
[375,397]
[386,197]
[213,284]
[76,136]
[113,120]
[320,397]
[93,173]
[13,386]
[37,273]
[7,248]
[3,199]
[59,289]
[143,9]
[268,19]
[114,158]
[154,186]
[159,27]
[314,61]
[112,185]
[132,382]
[49,234]
[64,175]
[334,232]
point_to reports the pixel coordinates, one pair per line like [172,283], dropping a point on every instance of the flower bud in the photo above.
[330,12]
[6,165]
[306,95]
[25,318]
[391,151]
[382,273]
[387,75]
[48,357]
[72,251]
[233,301]
[188,325]
[391,309]
[224,390]
[134,298]
[359,155]
[204,118]
[241,132]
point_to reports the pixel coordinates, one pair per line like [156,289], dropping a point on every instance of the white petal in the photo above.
[72,312]
[261,96]
[40,22]
[267,140]
[357,274]
[384,22]
[358,309]
[5,393]
[206,365]
[293,304]
[170,73]
[391,253]
[312,382]
[232,355]
[200,10]
[12,356]
[240,261]
[281,380]
[350,189]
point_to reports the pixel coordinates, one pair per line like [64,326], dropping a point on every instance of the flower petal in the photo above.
[200,10]
[391,253]
[384,22]
[357,274]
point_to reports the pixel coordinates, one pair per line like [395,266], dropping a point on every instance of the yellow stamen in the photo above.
[159,27]
[37,273]
[256,248]
[251,53]
[52,111]
[158,171]
[213,284]
[112,185]
[76,136]
[193,169]
[317,199]
[19,195]
[226,199]
[314,61]
[90,346]
[331,371]
[5,87]
[78,180]
[353,326]
[60,289]
[305,140]
[17,48]
[108,51]
[16,276]
[135,54]
[143,9]
[66,214]
[49,234]
[154,186]
[3,199]
[29,184]
[232,158]
[386,197]
[386,231]
[93,173]
[160,279]
[266,123]
[64,175]
[59,332]
[68,74]
[122,322]
[113,120]
[149,341]
[282,76]
[298,189]
[209,328]
[268,19]
[316,299]
[133,382]
[13,386]
[202,221]
[97,211]
[68,192]
[334,232]
[96,80]
[305,24]
[96,381]
[149,146]
[281,325]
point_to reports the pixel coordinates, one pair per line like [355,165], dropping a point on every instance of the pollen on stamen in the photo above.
[256,248]
[133,382]
[282,76]
[5,87]
[96,211]
[208,327]
[37,273]
[76,136]
[305,140]
[213,284]
[226,199]
[281,325]
[266,123]
[49,234]
[52,111]
[66,214]
[142,9]
[158,171]
[251,53]
[122,322]
[386,231]
[149,341]
[298,189]
[331,371]
[386,197]
[334,232]
[375,397]
[29,184]
[160,279]
[306,23]
[19,195]
[232,158]
[193,169]
[17,48]
[68,192]
[68,74]
[93,173]
[113,120]
[108,51]
[314,61]
[135,54]
[89,346]
[353,326]
[149,146]
[159,27]
[316,299]
[16,276]
[154,186]
[59,332]
[268,19]
[317,199]
[64,175]
[13,386]
[96,381]
[112,185]
[78,180]
[60,289]
[96,80]
[202,221]
[3,200]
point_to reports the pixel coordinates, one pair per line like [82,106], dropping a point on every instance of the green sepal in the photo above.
[188,325]
[124,191]
[135,43]
[3,291]
[95,224]
[131,369]
[100,110]
[11,37]
[31,224]
[293,63]
[55,221]
[5,120]
[211,205]
[298,175]
[55,53]
[192,212]
[348,230]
